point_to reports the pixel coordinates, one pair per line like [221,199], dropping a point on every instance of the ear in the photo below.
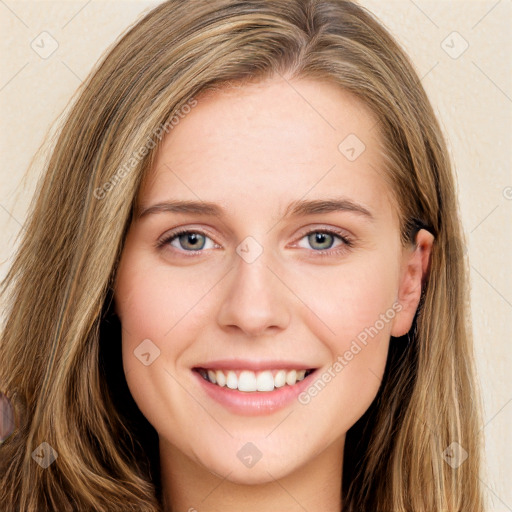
[414,270]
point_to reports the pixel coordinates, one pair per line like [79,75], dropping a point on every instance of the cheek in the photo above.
[351,299]
[159,311]
[155,301]
[354,313]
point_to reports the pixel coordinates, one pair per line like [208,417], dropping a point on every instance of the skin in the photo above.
[252,150]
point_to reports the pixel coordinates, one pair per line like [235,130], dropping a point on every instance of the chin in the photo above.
[265,470]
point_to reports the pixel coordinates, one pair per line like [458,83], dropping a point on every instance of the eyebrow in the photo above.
[294,209]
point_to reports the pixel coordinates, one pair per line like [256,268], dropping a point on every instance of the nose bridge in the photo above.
[254,299]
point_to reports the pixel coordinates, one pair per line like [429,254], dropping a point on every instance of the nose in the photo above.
[255,300]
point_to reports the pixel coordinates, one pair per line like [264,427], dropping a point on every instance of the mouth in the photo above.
[249,381]
[249,387]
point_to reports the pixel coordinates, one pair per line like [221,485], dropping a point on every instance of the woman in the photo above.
[177,340]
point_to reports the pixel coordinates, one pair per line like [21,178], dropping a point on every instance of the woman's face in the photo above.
[291,261]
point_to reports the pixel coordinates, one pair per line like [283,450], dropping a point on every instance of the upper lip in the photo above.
[245,364]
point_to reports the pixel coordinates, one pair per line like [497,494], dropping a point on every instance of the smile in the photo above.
[250,381]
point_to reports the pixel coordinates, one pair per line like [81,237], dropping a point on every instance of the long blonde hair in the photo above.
[60,347]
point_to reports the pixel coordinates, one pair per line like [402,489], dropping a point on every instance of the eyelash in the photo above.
[347,242]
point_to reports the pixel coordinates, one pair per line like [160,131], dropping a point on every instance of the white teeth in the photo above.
[265,381]
[291,378]
[220,378]
[280,379]
[231,380]
[249,381]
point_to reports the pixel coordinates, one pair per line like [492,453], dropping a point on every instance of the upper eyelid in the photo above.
[332,230]
[176,232]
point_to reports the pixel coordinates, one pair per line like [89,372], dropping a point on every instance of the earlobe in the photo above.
[415,268]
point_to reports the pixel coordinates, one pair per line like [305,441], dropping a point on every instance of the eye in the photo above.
[187,240]
[324,240]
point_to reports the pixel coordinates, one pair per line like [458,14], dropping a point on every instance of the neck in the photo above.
[190,487]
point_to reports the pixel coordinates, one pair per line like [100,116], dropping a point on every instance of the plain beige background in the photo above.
[462,51]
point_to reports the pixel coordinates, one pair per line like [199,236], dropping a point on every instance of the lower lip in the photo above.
[254,403]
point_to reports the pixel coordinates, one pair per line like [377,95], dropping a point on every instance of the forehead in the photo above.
[264,145]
